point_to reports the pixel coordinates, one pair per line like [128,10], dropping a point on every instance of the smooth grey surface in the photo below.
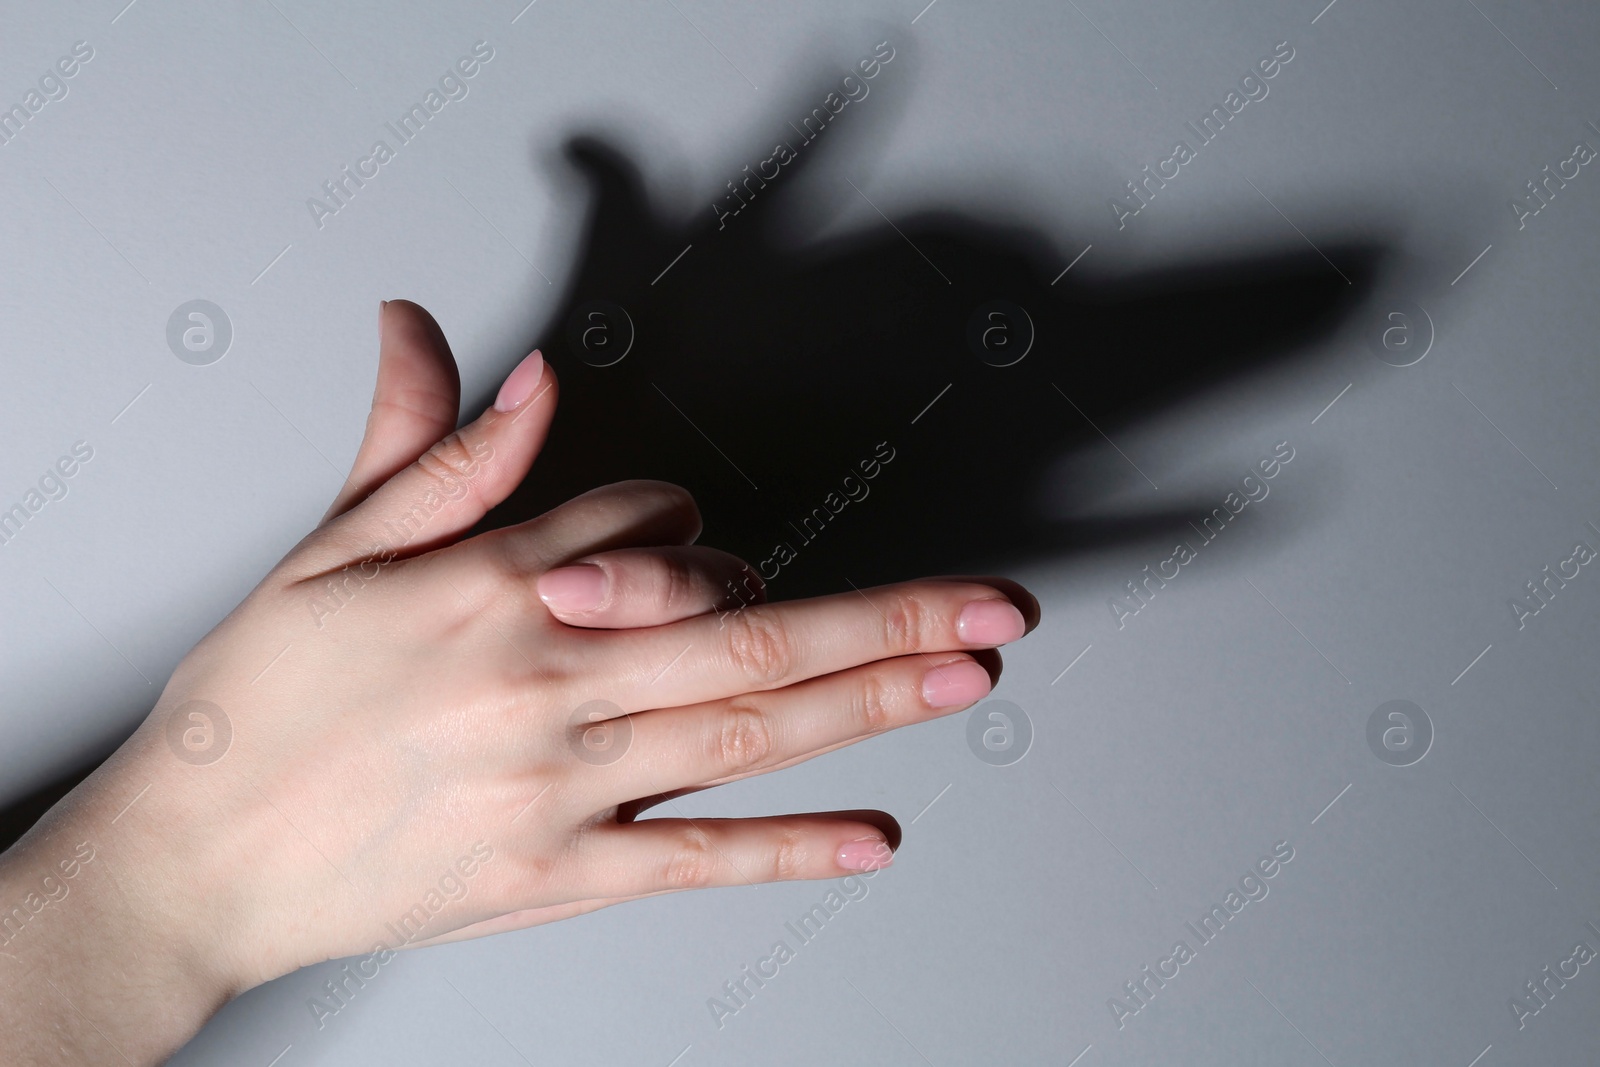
[1226,716]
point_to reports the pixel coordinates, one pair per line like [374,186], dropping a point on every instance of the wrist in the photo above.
[109,955]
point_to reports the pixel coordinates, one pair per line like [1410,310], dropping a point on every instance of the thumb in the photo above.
[416,400]
[445,491]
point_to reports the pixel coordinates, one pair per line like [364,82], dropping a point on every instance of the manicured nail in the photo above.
[865,854]
[521,383]
[955,684]
[990,622]
[579,588]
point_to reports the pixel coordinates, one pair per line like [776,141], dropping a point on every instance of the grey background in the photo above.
[1174,753]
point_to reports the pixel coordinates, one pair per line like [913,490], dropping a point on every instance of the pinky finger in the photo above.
[634,861]
[663,855]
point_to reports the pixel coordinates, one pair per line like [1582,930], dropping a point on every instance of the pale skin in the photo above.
[424,714]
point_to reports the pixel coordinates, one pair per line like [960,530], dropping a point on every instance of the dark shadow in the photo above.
[762,375]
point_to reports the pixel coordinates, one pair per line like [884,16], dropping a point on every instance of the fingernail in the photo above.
[990,622]
[865,854]
[520,383]
[579,588]
[955,684]
[381,305]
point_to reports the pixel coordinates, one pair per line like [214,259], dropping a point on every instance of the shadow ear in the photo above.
[619,215]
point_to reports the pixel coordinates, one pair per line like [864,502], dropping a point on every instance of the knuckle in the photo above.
[425,406]
[692,863]
[743,739]
[789,856]
[528,876]
[760,646]
[450,466]
[675,585]
[906,619]
[875,704]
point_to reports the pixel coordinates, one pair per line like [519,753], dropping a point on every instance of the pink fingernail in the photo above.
[990,622]
[579,588]
[381,305]
[865,854]
[955,684]
[520,383]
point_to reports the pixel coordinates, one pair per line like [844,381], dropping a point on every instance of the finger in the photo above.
[671,854]
[634,587]
[882,822]
[632,514]
[415,402]
[768,646]
[724,740]
[452,485]
[629,810]
[1015,592]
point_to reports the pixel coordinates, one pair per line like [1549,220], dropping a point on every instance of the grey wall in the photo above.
[1224,717]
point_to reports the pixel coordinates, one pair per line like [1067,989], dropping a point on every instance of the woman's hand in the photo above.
[402,736]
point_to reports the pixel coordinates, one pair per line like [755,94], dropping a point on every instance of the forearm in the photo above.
[98,962]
